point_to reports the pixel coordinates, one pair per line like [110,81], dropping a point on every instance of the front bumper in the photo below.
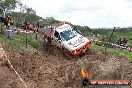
[82,50]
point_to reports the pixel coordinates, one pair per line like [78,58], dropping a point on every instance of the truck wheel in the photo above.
[67,54]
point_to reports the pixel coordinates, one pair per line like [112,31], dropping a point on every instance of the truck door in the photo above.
[57,39]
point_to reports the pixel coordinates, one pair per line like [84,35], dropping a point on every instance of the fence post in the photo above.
[110,36]
[25,24]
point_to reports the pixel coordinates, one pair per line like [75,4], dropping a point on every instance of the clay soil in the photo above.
[51,69]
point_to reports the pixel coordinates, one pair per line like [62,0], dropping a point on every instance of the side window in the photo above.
[56,34]
[59,37]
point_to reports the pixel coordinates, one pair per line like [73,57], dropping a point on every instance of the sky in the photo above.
[92,13]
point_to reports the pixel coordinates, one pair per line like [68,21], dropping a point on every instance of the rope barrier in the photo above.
[16,71]
[121,47]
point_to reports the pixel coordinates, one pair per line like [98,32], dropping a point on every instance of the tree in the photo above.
[8,4]
[30,11]
[83,29]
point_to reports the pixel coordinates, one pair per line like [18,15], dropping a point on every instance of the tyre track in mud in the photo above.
[52,70]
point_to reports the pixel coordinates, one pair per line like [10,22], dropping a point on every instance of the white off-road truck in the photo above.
[67,39]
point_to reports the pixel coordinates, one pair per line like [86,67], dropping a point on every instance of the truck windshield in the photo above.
[68,34]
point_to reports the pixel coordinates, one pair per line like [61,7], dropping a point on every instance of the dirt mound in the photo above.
[52,70]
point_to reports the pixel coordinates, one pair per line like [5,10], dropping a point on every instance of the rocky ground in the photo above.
[52,70]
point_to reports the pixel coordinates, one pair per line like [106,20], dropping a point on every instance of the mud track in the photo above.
[52,70]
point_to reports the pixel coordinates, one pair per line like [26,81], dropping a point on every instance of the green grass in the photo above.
[18,41]
[114,52]
[127,34]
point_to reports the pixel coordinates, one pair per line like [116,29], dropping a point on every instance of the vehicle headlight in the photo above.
[88,45]
[77,52]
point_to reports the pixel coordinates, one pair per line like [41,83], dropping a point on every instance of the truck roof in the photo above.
[58,28]
[62,28]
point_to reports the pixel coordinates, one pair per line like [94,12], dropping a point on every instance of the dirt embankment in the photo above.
[52,70]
